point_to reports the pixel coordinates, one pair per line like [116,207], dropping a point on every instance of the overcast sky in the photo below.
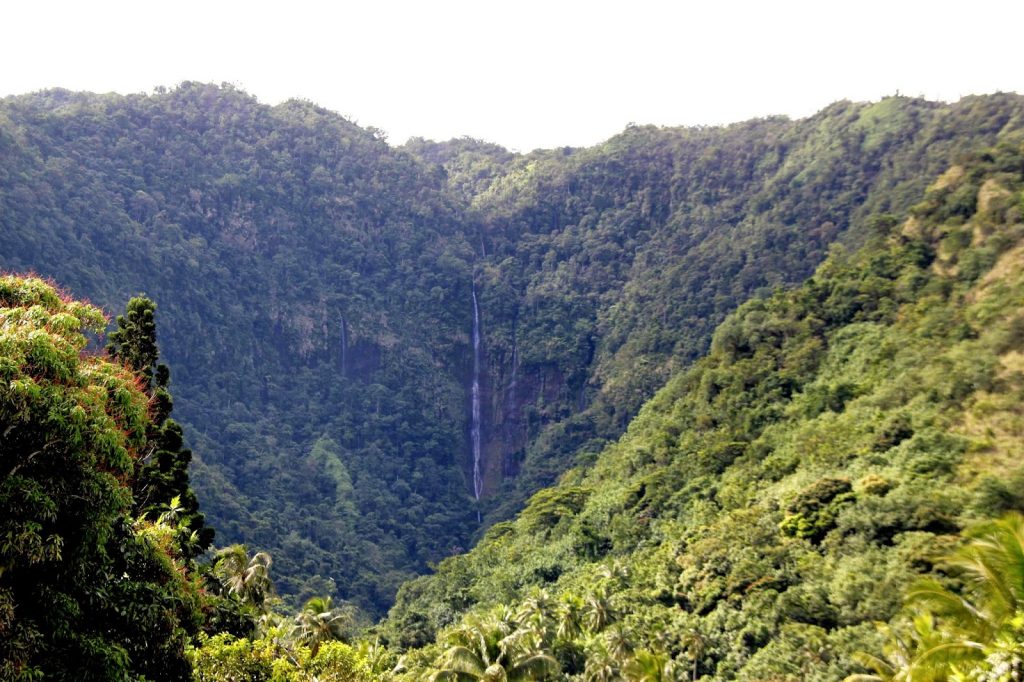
[524,73]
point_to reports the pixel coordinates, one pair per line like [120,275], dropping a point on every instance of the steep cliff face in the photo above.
[519,404]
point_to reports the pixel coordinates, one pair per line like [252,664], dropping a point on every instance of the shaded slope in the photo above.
[310,284]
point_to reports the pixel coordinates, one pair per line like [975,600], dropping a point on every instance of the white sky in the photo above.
[524,73]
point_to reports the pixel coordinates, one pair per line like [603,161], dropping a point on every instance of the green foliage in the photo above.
[85,592]
[315,285]
[496,646]
[245,578]
[313,282]
[321,621]
[549,506]
[161,474]
[974,633]
[133,342]
[224,658]
[769,504]
[815,510]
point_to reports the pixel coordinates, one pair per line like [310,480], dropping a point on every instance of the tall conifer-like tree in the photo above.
[161,475]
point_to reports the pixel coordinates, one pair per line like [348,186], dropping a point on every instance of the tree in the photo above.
[694,644]
[990,607]
[243,577]
[897,663]
[538,613]
[568,617]
[494,647]
[161,475]
[320,621]
[646,666]
[133,342]
[597,610]
[970,631]
[84,593]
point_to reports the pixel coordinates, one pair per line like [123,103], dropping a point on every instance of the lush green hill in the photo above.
[314,289]
[608,268]
[772,501]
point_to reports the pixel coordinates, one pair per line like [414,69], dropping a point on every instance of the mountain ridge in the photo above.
[314,288]
[771,502]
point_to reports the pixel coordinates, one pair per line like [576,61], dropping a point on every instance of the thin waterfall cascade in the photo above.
[344,347]
[478,481]
[510,396]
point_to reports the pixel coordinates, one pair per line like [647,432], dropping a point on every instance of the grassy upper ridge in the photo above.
[770,503]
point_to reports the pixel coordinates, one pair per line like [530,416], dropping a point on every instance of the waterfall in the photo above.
[478,481]
[510,395]
[344,346]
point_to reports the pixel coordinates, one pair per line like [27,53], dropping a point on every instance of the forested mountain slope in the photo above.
[608,268]
[772,501]
[315,289]
[310,285]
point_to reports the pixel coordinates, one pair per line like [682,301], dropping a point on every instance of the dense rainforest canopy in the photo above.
[774,501]
[315,290]
[88,591]
[100,530]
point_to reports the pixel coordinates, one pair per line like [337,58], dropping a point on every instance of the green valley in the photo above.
[693,403]
[769,504]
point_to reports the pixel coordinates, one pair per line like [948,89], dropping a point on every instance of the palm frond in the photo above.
[460,659]
[957,611]
[884,670]
[534,667]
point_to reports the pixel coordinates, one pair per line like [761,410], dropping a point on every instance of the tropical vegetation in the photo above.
[315,290]
[770,504]
[821,484]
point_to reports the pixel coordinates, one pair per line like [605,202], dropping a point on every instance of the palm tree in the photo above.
[618,641]
[646,666]
[954,631]
[248,579]
[538,611]
[602,666]
[376,657]
[320,621]
[568,618]
[597,610]
[495,647]
[897,663]
[991,568]
[695,645]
